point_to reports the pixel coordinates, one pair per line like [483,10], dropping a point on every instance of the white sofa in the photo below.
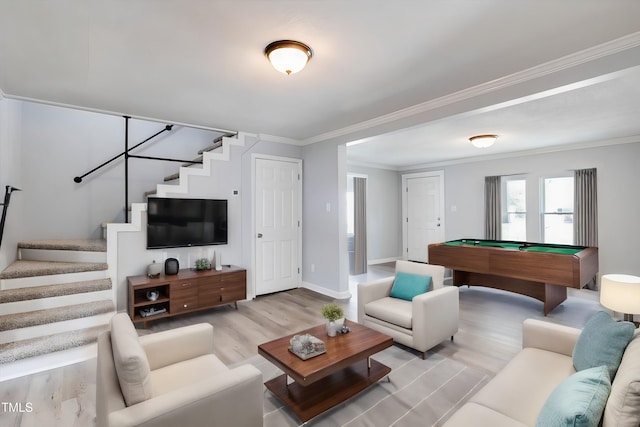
[171,378]
[421,323]
[516,395]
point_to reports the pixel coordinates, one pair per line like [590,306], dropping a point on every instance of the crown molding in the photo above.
[545,150]
[279,139]
[612,47]
[115,113]
[357,163]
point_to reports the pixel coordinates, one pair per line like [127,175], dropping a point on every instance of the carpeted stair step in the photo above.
[88,245]
[53,315]
[49,291]
[18,350]
[28,268]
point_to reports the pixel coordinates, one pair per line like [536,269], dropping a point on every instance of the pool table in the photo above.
[540,271]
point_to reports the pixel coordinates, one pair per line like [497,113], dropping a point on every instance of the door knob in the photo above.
[259,235]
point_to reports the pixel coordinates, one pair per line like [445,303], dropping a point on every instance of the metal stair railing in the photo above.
[127,156]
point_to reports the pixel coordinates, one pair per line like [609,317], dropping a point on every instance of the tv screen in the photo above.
[173,223]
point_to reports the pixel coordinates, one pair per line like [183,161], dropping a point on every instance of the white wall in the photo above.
[10,174]
[618,200]
[61,143]
[384,213]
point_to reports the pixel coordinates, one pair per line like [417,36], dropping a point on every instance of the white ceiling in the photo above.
[540,73]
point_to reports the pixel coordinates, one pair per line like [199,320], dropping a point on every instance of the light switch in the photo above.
[328,207]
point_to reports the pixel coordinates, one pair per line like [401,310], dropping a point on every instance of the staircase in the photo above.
[54,301]
[60,294]
[215,149]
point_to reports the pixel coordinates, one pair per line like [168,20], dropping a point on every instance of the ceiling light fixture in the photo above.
[483,141]
[288,56]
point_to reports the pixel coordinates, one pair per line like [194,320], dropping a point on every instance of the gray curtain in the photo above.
[360,225]
[585,210]
[585,207]
[492,208]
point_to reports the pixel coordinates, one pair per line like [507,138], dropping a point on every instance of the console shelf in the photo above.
[187,291]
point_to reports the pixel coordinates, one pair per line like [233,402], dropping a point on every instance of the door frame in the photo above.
[404,190]
[251,294]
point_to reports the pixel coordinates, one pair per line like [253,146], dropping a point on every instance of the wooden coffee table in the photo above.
[324,381]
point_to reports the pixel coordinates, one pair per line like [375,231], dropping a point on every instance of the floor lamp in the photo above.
[621,293]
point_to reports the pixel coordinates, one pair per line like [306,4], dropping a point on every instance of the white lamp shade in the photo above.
[621,293]
[288,59]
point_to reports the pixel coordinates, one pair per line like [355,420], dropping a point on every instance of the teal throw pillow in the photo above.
[602,342]
[407,285]
[578,400]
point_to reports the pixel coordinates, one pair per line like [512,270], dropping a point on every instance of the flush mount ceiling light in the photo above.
[288,56]
[483,141]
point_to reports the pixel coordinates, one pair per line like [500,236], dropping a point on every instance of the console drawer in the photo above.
[234,293]
[180,305]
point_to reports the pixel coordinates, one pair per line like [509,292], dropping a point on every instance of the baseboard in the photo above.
[324,291]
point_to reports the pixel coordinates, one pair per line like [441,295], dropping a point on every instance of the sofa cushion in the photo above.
[577,401]
[130,360]
[602,342]
[623,406]
[392,310]
[186,373]
[521,388]
[408,285]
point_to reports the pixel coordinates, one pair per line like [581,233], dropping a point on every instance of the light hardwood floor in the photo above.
[489,336]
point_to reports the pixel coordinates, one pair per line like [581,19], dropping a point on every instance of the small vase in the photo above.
[332,328]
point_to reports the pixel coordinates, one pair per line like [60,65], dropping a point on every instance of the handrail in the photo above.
[7,197]
[78,179]
[125,153]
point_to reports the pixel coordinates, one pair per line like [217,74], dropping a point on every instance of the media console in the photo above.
[187,291]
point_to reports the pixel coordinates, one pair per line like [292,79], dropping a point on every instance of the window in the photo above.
[514,208]
[557,210]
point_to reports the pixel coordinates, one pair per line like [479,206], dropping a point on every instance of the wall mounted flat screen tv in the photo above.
[173,223]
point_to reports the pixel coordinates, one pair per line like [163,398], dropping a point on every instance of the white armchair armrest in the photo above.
[175,345]
[371,291]
[435,316]
[235,397]
[549,336]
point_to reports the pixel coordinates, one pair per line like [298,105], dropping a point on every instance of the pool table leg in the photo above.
[553,296]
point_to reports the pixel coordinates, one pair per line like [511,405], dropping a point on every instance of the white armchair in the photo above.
[421,323]
[171,378]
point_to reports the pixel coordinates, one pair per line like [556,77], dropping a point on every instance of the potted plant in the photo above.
[332,312]
[203,264]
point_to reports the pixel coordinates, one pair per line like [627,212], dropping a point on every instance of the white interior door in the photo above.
[277,225]
[424,215]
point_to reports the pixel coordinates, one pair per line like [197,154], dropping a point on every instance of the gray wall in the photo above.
[60,143]
[618,197]
[384,213]
[10,167]
[43,147]
[324,240]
